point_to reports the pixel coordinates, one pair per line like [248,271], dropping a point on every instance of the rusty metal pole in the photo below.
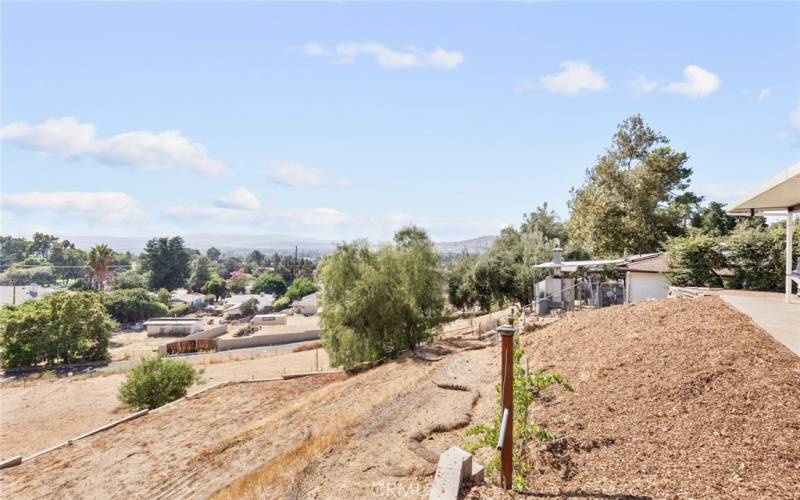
[507,385]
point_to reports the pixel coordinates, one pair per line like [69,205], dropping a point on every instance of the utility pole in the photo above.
[505,441]
[294,264]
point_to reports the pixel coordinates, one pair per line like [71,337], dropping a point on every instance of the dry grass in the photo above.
[308,347]
[278,474]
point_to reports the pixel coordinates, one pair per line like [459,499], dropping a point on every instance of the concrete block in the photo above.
[11,462]
[477,474]
[454,466]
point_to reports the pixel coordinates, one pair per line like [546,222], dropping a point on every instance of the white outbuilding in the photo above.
[779,196]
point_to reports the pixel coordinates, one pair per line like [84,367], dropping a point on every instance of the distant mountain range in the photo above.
[243,243]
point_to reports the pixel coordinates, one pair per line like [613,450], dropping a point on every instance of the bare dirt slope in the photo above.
[673,399]
[38,414]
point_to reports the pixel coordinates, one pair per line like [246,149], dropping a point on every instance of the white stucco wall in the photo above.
[642,286]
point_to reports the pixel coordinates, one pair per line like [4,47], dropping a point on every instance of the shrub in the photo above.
[129,280]
[300,288]
[164,296]
[61,326]
[136,304]
[758,256]
[249,307]
[269,282]
[157,381]
[282,303]
[694,259]
[178,310]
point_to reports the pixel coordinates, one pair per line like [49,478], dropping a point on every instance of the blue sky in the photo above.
[348,120]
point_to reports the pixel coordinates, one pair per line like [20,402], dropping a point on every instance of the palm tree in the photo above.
[100,257]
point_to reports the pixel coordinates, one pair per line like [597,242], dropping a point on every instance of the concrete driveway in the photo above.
[779,319]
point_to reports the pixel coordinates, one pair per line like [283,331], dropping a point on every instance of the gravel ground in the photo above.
[673,399]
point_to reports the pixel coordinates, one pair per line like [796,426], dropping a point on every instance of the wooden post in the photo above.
[507,385]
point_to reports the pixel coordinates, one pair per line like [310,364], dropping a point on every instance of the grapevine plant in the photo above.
[527,386]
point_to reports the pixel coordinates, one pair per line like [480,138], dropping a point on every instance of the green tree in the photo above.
[269,282]
[216,286]
[256,257]
[757,256]
[713,220]
[546,222]
[461,291]
[164,296]
[132,305]
[238,282]
[13,250]
[629,198]
[167,260]
[60,326]
[201,274]
[42,244]
[213,254]
[157,381]
[100,258]
[378,303]
[128,280]
[300,288]
[694,260]
[249,307]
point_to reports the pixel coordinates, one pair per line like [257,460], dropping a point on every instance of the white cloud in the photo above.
[291,174]
[642,85]
[241,199]
[110,207]
[576,78]
[698,82]
[347,53]
[69,138]
[763,94]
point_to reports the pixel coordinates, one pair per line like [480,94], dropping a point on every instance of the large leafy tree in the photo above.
[167,261]
[378,303]
[547,222]
[634,197]
[216,286]
[100,258]
[713,220]
[135,304]
[269,282]
[61,326]
[201,274]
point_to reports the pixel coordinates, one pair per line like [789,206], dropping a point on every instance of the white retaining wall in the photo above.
[264,340]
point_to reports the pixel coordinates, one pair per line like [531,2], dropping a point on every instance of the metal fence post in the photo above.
[506,443]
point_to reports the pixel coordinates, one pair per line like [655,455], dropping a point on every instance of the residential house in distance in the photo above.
[173,327]
[307,306]
[191,299]
[232,304]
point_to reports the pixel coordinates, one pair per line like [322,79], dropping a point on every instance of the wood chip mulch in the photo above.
[675,398]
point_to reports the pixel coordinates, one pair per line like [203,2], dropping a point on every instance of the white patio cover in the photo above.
[778,196]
